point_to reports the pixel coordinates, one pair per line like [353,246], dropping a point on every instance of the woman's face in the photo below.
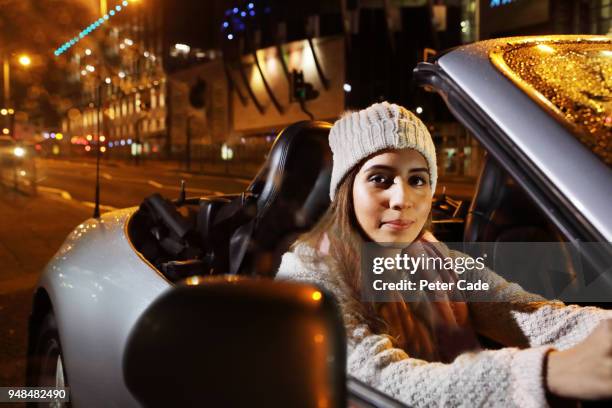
[392,196]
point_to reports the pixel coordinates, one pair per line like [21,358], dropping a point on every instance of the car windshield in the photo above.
[570,78]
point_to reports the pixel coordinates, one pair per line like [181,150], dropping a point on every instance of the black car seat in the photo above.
[502,212]
[248,234]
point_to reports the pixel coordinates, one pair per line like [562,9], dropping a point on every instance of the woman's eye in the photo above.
[418,181]
[379,179]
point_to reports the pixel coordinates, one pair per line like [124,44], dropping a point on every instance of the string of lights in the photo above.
[90,28]
[235,19]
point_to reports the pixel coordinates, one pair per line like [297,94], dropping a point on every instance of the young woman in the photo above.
[427,353]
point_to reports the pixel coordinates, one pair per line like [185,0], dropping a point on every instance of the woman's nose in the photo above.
[400,195]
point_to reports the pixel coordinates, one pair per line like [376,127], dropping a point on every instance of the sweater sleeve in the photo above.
[506,377]
[515,317]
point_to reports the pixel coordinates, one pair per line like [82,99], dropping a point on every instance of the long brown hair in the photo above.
[340,225]
[345,235]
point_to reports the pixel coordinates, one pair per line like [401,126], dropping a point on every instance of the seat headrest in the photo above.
[497,201]
[296,174]
[291,192]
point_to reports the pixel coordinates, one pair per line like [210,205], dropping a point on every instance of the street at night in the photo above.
[125,185]
[316,203]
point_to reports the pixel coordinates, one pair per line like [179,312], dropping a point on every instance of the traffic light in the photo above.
[302,91]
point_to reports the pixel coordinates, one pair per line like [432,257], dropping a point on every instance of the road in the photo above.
[123,185]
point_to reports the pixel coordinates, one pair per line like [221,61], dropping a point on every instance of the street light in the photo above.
[101,81]
[25,60]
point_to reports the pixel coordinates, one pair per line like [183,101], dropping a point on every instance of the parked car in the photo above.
[170,299]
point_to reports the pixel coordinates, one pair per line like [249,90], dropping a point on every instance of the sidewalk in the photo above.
[31,231]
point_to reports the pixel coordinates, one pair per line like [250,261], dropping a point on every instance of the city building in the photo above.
[213,82]
[123,92]
[272,63]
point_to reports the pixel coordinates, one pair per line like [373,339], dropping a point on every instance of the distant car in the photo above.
[135,298]
[10,150]
[17,167]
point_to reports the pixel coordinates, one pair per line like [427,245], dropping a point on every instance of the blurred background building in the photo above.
[123,94]
[214,81]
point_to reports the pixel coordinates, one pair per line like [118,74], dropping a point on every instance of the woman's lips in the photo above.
[398,225]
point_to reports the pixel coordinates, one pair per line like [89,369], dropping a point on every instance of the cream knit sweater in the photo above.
[528,325]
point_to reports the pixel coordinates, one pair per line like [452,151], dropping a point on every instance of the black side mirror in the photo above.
[234,341]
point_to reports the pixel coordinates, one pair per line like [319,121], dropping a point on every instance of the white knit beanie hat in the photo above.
[357,135]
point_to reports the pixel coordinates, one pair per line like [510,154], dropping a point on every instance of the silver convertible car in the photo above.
[169,303]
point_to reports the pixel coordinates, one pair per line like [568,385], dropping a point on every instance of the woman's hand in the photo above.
[585,370]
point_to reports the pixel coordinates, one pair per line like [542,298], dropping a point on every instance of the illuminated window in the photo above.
[153,98]
[162,101]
